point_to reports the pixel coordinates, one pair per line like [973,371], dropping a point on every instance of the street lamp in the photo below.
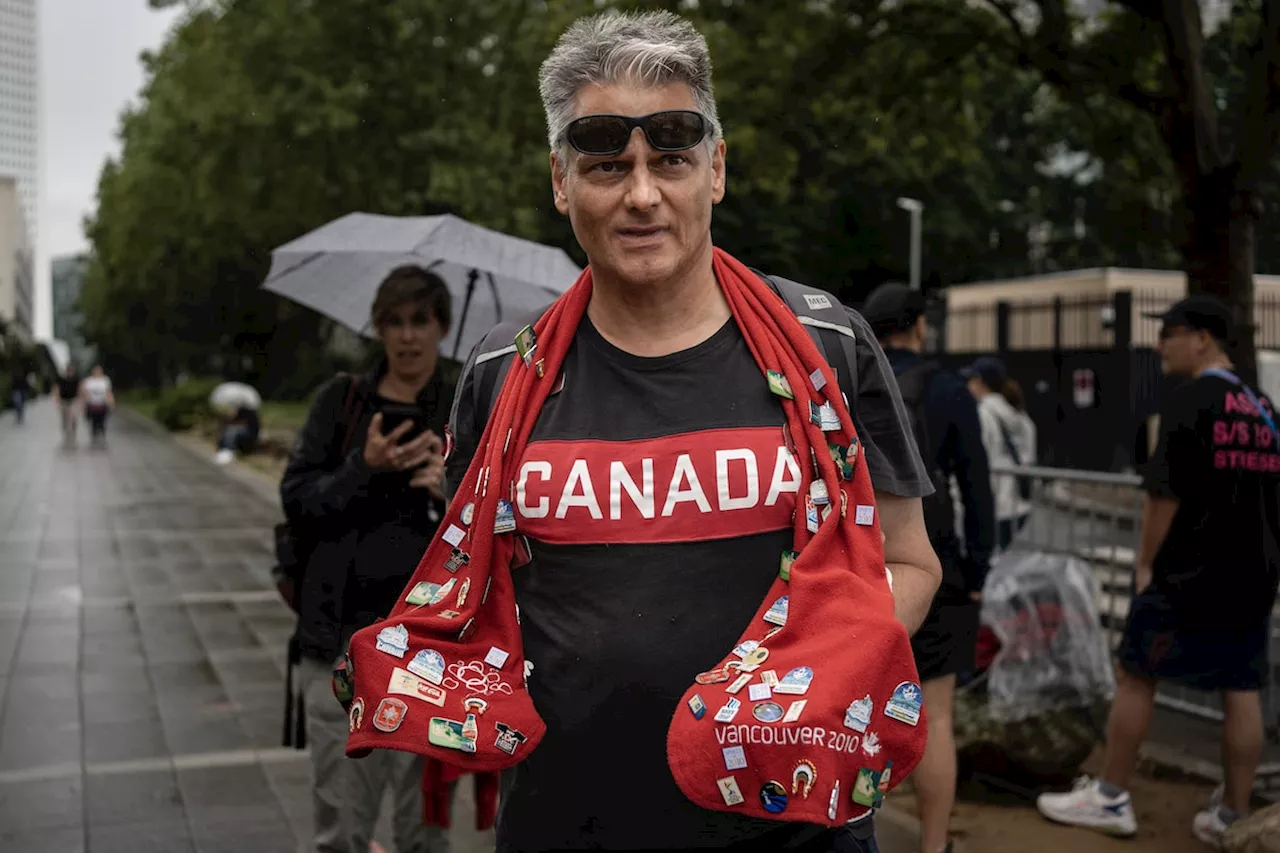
[915,207]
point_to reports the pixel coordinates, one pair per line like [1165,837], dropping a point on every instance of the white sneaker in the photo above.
[1209,827]
[224,457]
[1086,806]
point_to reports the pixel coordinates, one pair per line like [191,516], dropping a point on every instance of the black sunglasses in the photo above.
[606,135]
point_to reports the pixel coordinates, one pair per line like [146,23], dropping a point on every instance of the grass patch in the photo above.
[142,401]
[284,414]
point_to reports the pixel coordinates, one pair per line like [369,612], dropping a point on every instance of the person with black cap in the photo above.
[949,435]
[1206,575]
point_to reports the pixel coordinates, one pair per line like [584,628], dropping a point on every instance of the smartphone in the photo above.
[394,414]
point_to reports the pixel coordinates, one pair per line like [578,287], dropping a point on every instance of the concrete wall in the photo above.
[1086,296]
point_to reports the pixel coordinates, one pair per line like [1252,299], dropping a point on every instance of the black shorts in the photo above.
[948,640]
[1157,644]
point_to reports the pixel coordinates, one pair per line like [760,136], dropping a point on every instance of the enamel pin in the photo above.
[393,640]
[904,704]
[796,681]
[802,776]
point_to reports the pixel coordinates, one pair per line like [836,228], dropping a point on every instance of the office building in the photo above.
[17,263]
[67,279]
[19,104]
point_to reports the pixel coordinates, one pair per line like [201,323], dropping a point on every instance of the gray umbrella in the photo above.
[336,270]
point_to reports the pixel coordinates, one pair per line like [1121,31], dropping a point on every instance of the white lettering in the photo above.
[579,474]
[781,483]
[543,470]
[620,478]
[677,494]
[752,497]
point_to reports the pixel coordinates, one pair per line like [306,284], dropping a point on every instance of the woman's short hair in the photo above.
[412,285]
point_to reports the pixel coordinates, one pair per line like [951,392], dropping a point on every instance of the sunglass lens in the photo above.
[599,134]
[675,130]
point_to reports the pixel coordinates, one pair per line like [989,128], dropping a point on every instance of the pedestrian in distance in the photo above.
[949,434]
[99,400]
[19,391]
[68,404]
[647,558]
[364,489]
[1206,575]
[1009,436]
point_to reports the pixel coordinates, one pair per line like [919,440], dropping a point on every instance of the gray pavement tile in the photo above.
[44,841]
[204,733]
[251,831]
[40,748]
[241,786]
[122,708]
[128,798]
[124,741]
[122,677]
[40,805]
[183,676]
[151,837]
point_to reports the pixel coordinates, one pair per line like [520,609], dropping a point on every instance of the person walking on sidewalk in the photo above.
[1206,576]
[1009,436]
[949,434]
[19,390]
[68,397]
[365,481]
[99,400]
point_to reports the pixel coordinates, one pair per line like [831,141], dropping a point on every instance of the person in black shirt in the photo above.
[371,498]
[68,396]
[949,434]
[1206,573]
[19,390]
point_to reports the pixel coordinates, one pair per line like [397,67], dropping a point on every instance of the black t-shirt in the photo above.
[1219,459]
[657,494]
[68,389]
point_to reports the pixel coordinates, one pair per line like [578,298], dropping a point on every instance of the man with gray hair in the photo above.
[653,532]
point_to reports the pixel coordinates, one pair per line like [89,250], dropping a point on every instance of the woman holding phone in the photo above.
[364,489]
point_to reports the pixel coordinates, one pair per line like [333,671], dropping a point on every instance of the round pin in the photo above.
[773,797]
[756,657]
[767,712]
[468,512]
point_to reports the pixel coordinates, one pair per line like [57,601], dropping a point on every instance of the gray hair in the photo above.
[654,48]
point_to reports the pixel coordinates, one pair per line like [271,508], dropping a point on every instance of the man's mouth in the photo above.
[641,232]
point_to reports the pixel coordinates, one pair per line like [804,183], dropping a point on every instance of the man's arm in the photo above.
[968,461]
[898,476]
[1157,517]
[909,557]
[1166,470]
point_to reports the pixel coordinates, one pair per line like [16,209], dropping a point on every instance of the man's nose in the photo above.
[643,193]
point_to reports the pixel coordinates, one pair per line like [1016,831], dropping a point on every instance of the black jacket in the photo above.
[331,497]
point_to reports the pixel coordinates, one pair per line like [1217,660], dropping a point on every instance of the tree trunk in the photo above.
[1218,248]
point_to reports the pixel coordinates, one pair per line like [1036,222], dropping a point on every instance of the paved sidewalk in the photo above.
[142,653]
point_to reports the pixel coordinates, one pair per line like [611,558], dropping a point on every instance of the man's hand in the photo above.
[908,554]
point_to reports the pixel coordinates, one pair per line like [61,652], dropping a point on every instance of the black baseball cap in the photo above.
[892,307]
[989,369]
[1201,312]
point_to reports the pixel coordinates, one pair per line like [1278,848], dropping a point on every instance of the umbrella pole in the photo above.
[466,306]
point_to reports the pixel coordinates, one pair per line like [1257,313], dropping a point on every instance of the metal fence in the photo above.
[1095,516]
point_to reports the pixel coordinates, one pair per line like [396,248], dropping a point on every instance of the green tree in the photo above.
[1215,108]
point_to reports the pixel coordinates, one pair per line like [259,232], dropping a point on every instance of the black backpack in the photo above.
[939,511]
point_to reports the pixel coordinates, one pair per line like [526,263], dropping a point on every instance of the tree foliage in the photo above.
[263,119]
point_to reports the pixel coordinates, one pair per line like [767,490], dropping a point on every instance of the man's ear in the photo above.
[559,176]
[717,172]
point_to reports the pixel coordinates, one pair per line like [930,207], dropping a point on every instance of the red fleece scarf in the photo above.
[812,718]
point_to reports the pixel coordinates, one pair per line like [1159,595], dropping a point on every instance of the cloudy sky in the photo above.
[89,71]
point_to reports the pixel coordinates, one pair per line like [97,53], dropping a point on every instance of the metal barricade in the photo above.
[1097,516]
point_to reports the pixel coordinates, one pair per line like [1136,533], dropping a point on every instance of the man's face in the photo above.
[642,216]
[411,337]
[1181,350]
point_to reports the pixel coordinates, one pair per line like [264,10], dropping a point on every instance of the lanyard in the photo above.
[1253,398]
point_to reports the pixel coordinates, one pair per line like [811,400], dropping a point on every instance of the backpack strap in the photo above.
[824,318]
[352,409]
[821,314]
